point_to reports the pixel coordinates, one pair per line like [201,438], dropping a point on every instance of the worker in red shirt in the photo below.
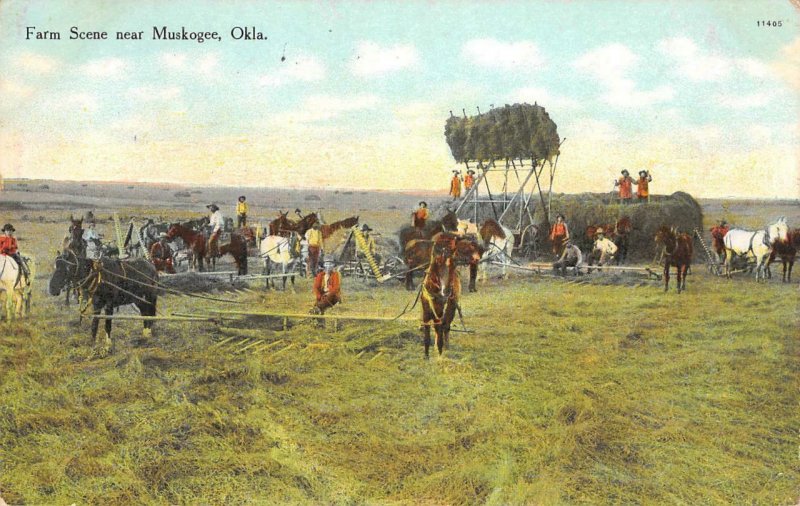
[455,185]
[161,255]
[9,246]
[469,179]
[643,186]
[625,184]
[420,216]
[327,287]
[559,235]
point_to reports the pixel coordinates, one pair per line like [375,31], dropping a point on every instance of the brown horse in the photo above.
[418,253]
[678,251]
[329,230]
[195,242]
[441,291]
[284,227]
[787,251]
[237,248]
[449,223]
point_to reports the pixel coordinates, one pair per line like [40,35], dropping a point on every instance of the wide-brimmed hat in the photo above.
[8,227]
[163,235]
[625,172]
[599,231]
[642,172]
[559,215]
[213,207]
[242,197]
[328,261]
[456,172]
[365,228]
[423,203]
[470,171]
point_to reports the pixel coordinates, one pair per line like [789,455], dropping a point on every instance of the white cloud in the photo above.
[739,101]
[543,98]
[14,89]
[154,93]
[372,60]
[303,68]
[35,63]
[84,101]
[505,55]
[207,64]
[105,67]
[325,107]
[172,60]
[592,130]
[693,63]
[787,66]
[609,65]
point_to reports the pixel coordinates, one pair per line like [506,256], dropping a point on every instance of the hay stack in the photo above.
[581,211]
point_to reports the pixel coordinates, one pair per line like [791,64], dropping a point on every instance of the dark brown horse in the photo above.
[237,248]
[787,251]
[678,251]
[329,230]
[284,227]
[440,292]
[449,223]
[195,242]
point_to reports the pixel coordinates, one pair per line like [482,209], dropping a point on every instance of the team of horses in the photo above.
[436,251]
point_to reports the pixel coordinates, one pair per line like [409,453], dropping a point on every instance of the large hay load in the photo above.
[581,211]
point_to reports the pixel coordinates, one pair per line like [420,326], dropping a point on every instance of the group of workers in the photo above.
[456,183]
[567,254]
[626,182]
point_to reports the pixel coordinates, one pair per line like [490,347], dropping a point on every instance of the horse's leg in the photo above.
[473,276]
[438,330]
[680,273]
[789,272]
[666,276]
[147,309]
[410,280]
[19,301]
[426,328]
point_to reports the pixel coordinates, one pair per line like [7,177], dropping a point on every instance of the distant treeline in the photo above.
[513,131]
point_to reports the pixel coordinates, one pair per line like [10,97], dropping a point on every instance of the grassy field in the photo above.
[604,392]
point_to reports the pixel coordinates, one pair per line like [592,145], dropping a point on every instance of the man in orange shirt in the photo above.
[625,184]
[327,287]
[559,235]
[643,187]
[161,255]
[469,179]
[455,185]
[420,216]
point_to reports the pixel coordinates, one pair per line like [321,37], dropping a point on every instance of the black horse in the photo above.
[110,283]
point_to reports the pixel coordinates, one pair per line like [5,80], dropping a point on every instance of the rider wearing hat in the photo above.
[625,184]
[469,179]
[327,287]
[92,239]
[420,216]
[217,223]
[161,255]
[241,212]
[455,185]
[9,246]
[643,186]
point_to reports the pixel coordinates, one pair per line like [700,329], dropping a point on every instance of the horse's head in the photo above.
[65,270]
[778,231]
[173,231]
[665,235]
[624,225]
[450,221]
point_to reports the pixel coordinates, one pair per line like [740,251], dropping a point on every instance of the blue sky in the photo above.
[690,90]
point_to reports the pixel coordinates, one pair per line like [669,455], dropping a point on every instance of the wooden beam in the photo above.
[319,316]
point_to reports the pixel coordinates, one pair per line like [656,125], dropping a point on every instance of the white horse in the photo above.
[499,243]
[280,250]
[16,290]
[756,245]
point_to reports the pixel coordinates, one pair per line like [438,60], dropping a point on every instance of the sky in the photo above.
[355,94]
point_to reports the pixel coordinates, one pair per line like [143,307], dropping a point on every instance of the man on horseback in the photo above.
[161,255]
[92,238]
[241,212]
[9,247]
[217,223]
[420,216]
[327,287]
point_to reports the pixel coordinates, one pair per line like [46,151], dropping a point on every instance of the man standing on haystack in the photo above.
[625,184]
[455,185]
[643,186]
[217,224]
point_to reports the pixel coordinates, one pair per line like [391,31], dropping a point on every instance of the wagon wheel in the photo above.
[395,266]
[527,241]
